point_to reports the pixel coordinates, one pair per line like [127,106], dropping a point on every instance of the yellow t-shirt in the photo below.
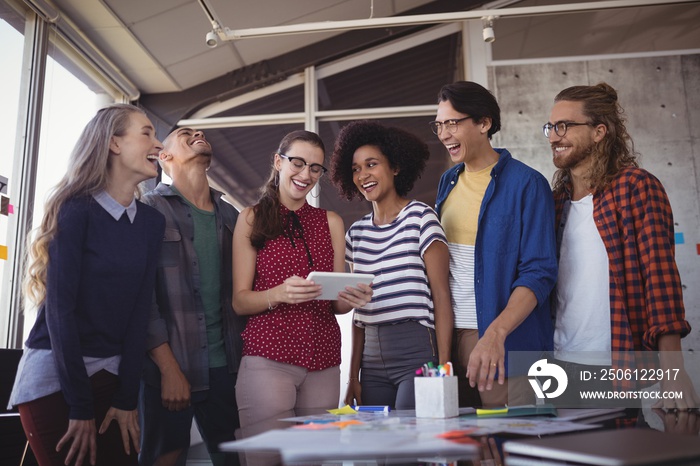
[460,219]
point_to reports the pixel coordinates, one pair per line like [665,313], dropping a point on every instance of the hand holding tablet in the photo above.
[335,282]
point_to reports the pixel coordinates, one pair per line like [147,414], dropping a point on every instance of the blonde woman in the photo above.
[92,271]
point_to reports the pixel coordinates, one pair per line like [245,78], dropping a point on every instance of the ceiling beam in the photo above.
[226,34]
[170,107]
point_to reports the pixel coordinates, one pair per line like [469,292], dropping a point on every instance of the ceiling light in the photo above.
[212,39]
[488,33]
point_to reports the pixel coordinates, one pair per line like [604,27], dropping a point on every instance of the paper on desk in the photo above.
[328,425]
[344,410]
[298,445]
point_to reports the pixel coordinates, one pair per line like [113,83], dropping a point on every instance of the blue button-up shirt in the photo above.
[515,246]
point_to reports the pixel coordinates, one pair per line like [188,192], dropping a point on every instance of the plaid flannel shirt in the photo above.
[177,313]
[635,221]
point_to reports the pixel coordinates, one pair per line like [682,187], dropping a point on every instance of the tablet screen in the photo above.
[335,282]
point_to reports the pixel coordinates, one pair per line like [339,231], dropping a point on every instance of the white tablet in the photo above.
[335,282]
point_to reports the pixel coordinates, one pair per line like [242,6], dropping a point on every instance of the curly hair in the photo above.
[88,172]
[267,223]
[474,100]
[616,150]
[403,150]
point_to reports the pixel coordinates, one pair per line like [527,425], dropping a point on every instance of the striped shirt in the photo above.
[394,254]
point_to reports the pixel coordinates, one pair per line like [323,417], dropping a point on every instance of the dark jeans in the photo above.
[45,421]
[215,410]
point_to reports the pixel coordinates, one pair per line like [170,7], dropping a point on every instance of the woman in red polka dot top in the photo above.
[291,352]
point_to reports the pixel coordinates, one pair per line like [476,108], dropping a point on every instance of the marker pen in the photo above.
[373,409]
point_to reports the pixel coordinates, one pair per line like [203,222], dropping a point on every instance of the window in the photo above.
[68,105]
[11,65]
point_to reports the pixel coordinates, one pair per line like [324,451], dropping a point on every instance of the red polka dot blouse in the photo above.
[305,334]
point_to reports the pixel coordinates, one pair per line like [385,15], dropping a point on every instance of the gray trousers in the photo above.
[390,357]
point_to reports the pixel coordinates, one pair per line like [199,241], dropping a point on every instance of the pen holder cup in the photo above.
[436,397]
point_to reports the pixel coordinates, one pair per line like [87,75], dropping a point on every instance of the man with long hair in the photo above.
[618,287]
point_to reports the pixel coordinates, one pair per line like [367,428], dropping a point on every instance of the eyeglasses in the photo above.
[451,125]
[560,127]
[316,170]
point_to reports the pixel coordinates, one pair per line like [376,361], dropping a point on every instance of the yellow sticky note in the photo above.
[3,254]
[344,410]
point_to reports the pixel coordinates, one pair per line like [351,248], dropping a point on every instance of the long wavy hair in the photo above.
[615,151]
[267,223]
[88,172]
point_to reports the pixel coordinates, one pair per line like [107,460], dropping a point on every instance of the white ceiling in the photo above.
[159,44]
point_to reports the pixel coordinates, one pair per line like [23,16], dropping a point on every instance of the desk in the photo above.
[387,439]
[396,436]
[319,438]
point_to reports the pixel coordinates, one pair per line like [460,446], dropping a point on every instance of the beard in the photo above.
[577,156]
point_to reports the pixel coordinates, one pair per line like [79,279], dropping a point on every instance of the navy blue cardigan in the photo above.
[99,288]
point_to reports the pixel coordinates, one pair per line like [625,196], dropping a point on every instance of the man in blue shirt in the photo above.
[194,337]
[498,215]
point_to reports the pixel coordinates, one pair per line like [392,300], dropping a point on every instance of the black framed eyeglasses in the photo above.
[451,125]
[560,127]
[316,170]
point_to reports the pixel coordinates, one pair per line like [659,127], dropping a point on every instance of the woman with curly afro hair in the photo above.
[409,320]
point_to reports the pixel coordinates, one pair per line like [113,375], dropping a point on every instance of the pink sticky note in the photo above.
[10,209]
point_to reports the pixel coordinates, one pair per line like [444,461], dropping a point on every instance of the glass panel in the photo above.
[411,77]
[11,65]
[68,106]
[287,101]
[424,189]
[243,157]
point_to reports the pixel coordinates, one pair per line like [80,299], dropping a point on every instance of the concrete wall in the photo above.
[661,98]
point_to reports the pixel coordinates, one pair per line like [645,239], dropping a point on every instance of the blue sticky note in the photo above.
[679,238]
